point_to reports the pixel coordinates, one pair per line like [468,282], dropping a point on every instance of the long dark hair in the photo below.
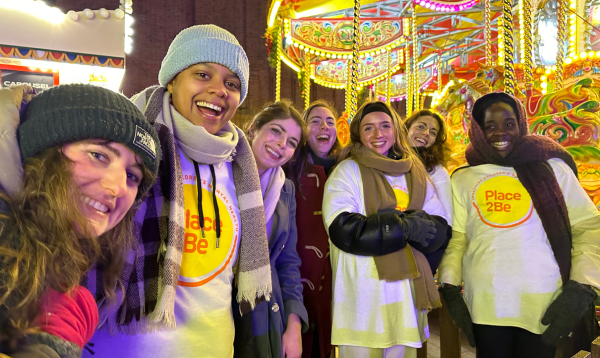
[47,242]
[439,152]
[283,109]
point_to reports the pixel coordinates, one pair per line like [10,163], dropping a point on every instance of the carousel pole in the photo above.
[388,77]
[509,71]
[353,74]
[561,18]
[307,73]
[439,71]
[409,83]
[278,69]
[527,45]
[415,69]
[488,34]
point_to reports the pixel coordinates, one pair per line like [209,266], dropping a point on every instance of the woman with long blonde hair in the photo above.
[88,154]
[379,208]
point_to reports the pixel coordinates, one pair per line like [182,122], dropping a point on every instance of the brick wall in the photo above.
[157,22]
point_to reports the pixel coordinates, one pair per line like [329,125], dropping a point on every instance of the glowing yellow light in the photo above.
[553,68]
[301,47]
[591,54]
[544,85]
[273,13]
[289,63]
[543,78]
[575,58]
[583,55]
[568,61]
[544,91]
[548,71]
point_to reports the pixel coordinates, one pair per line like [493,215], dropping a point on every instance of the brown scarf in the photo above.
[529,159]
[407,263]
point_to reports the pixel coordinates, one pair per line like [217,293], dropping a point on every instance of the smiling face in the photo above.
[501,128]
[321,131]
[108,175]
[206,94]
[275,143]
[377,132]
[423,131]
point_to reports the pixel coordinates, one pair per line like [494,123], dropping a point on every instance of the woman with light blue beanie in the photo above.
[202,228]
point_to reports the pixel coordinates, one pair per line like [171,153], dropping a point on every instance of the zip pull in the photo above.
[203,236]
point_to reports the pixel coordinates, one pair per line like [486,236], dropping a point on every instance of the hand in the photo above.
[458,310]
[567,309]
[291,340]
[418,229]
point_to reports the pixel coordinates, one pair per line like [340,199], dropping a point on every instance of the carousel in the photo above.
[44,47]
[445,54]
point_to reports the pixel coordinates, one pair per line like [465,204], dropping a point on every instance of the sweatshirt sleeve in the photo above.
[450,269]
[288,268]
[585,252]
[585,226]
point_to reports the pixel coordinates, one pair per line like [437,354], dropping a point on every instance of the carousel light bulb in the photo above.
[583,55]
[301,47]
[591,54]
[543,78]
[544,91]
[548,71]
[553,68]
[295,44]
[73,15]
[568,61]
[88,13]
[103,13]
[544,85]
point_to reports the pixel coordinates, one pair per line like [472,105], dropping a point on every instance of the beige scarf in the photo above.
[407,263]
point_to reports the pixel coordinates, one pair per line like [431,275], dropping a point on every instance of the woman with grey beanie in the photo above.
[202,228]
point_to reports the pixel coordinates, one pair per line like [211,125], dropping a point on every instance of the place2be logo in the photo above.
[502,201]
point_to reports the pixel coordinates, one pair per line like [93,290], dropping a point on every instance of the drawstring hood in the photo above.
[214,197]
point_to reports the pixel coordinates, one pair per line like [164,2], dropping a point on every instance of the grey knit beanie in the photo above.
[75,112]
[205,43]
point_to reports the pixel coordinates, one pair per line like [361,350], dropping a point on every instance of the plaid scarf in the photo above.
[151,272]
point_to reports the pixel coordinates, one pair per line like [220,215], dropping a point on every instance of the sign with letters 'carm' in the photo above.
[39,81]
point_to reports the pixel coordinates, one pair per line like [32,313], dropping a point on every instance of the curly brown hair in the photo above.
[439,152]
[45,241]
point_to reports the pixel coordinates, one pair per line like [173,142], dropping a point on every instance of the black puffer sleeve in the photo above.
[373,235]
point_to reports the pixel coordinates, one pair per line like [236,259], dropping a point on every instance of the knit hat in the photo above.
[75,112]
[205,43]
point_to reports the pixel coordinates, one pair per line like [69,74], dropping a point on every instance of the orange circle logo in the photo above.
[202,260]
[402,198]
[502,202]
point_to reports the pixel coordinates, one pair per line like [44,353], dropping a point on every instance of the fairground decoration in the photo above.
[335,72]
[398,84]
[334,36]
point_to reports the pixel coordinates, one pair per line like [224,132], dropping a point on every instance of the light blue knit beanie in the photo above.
[205,43]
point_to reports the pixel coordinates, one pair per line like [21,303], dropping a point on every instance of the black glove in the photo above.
[418,229]
[458,310]
[567,309]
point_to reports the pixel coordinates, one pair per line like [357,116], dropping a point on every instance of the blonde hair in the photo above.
[401,143]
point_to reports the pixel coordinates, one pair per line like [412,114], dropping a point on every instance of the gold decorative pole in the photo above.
[487,34]
[388,76]
[527,45]
[353,74]
[509,71]
[409,83]
[307,73]
[278,69]
[439,69]
[561,20]
[415,69]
